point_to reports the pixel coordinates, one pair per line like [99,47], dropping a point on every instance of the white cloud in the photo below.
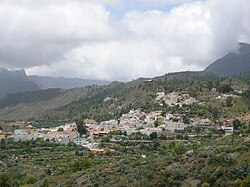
[40,33]
[80,38]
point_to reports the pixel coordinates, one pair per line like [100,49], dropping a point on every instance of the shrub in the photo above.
[242,183]
[80,165]
[239,172]
[179,174]
[206,174]
[219,183]
[176,149]
[220,159]
[219,172]
[44,183]
[205,185]
[30,179]
[4,180]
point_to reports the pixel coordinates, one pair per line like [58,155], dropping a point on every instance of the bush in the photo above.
[176,149]
[225,88]
[220,159]
[79,165]
[4,180]
[179,174]
[30,179]
[206,175]
[242,183]
[44,183]
[205,185]
[239,172]
[219,183]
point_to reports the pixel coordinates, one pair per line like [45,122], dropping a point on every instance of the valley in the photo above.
[181,129]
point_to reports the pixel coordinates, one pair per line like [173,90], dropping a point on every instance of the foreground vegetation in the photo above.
[202,162]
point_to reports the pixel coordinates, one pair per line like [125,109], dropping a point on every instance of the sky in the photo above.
[119,39]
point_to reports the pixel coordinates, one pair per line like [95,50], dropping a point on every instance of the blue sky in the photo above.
[120,11]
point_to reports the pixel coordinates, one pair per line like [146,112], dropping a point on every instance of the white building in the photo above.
[173,126]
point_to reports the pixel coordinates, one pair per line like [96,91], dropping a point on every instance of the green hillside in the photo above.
[31,105]
[109,102]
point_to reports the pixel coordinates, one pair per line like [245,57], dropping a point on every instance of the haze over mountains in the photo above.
[17,81]
[65,83]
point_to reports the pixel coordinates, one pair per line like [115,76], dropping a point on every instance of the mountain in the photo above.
[63,83]
[15,81]
[233,63]
[90,101]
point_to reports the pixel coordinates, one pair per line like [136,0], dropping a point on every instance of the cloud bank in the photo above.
[82,38]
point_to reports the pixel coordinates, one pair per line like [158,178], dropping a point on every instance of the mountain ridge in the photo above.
[14,81]
[46,82]
[232,63]
[52,105]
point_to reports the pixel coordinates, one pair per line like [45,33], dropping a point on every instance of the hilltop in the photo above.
[233,63]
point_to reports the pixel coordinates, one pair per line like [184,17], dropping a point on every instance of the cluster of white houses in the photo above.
[62,134]
[135,121]
[174,98]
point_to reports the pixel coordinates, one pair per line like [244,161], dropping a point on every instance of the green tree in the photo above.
[225,88]
[215,112]
[236,124]
[157,123]
[81,128]
[246,94]
[60,129]
[186,119]
[229,101]
[210,85]
[153,135]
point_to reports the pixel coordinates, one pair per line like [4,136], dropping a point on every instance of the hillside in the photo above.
[232,63]
[63,83]
[90,101]
[22,106]
[15,81]
[135,94]
[29,97]
[109,102]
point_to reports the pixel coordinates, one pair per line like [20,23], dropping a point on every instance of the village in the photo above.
[146,126]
